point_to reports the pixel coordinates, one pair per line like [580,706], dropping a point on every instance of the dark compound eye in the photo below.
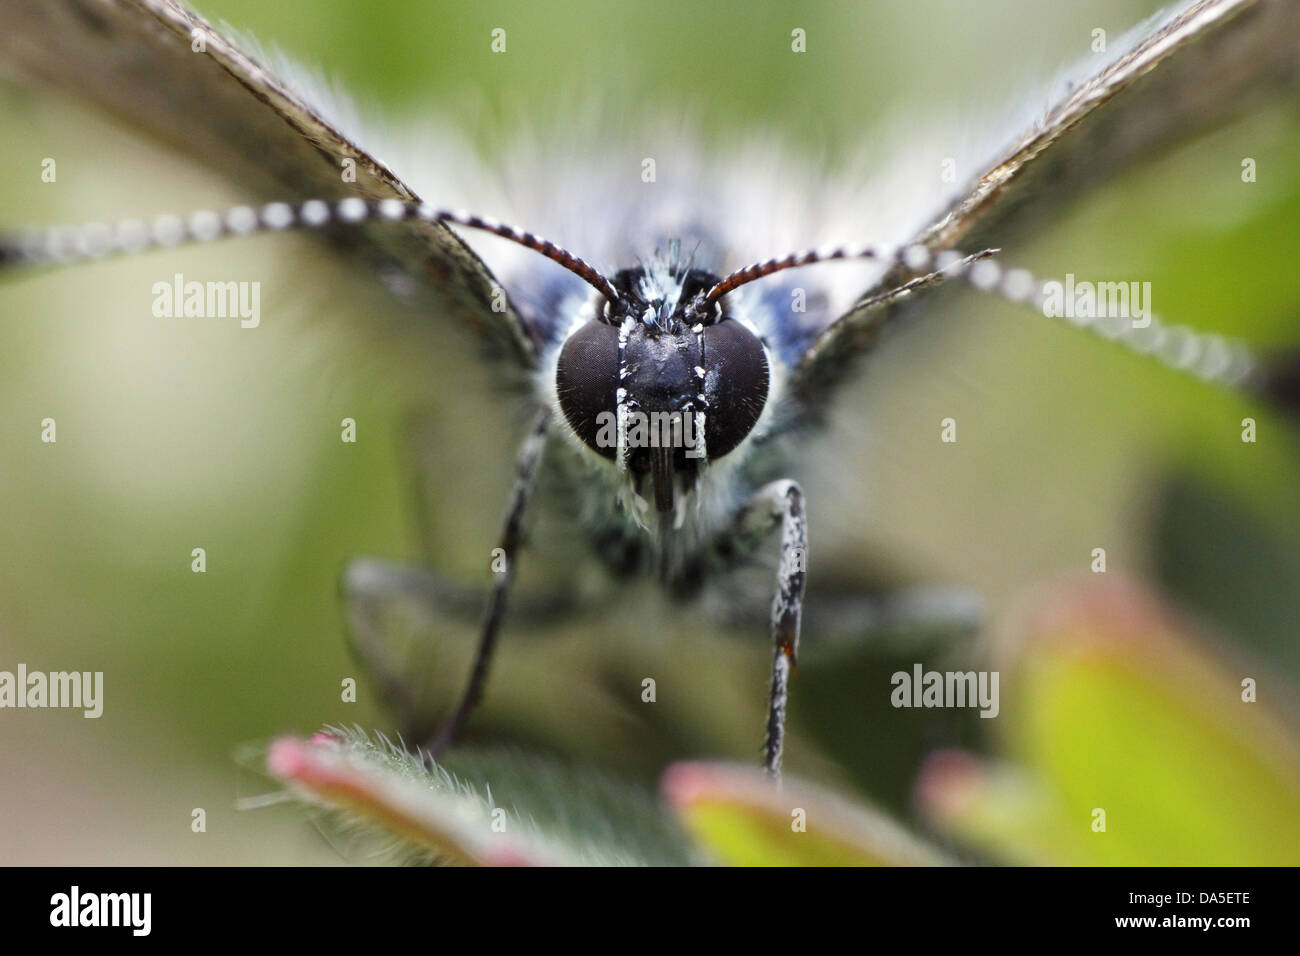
[586,380]
[735,384]
[661,378]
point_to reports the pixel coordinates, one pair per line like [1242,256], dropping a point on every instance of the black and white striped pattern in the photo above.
[794,260]
[780,503]
[1210,357]
[777,504]
[65,245]
[701,408]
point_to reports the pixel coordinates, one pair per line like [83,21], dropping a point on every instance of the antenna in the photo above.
[794,260]
[62,245]
[1207,356]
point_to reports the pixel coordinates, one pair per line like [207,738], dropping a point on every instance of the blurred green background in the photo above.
[176,435]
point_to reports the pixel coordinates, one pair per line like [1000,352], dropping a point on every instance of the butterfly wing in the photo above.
[1191,68]
[166,71]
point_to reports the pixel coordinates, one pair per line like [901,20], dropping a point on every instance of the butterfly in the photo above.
[670,377]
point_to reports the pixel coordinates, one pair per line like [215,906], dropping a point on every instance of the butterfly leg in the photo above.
[394,613]
[526,467]
[779,503]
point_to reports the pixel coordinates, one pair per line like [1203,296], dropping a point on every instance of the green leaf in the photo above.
[744,818]
[496,809]
[1110,706]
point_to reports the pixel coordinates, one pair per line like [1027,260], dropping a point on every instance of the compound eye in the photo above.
[586,380]
[735,384]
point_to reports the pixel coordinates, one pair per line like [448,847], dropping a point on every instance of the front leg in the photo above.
[779,502]
[526,467]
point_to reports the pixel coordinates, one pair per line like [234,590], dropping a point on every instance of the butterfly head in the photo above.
[660,382]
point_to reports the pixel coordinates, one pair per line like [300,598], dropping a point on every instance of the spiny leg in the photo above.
[780,502]
[526,467]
